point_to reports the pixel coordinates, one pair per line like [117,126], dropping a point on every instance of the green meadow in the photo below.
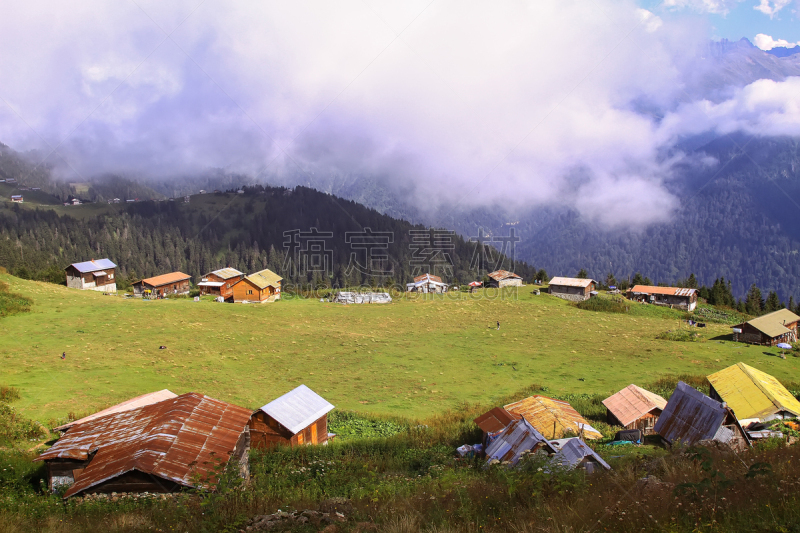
[412,358]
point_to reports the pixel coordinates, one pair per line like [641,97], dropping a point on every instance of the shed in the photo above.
[427,283]
[261,287]
[634,408]
[769,330]
[679,297]
[504,278]
[753,394]
[161,447]
[134,403]
[92,276]
[691,417]
[163,285]
[518,438]
[220,282]
[574,453]
[553,417]
[493,422]
[572,289]
[298,417]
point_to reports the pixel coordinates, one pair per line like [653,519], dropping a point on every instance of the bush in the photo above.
[605,305]
[194,292]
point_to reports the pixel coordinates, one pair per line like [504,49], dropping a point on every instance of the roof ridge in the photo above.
[746,369]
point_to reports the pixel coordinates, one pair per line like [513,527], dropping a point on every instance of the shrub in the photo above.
[605,305]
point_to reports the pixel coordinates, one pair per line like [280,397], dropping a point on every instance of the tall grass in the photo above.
[12,303]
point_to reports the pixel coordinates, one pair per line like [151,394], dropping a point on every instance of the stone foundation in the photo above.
[570,297]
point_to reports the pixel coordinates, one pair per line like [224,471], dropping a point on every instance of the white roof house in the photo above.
[297,409]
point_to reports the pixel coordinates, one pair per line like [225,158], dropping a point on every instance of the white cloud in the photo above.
[650,21]
[719,7]
[766,42]
[771,8]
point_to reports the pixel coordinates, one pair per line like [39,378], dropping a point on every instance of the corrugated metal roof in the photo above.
[572,452]
[91,266]
[772,324]
[134,403]
[632,403]
[669,291]
[179,440]
[690,416]
[571,282]
[165,279]
[752,393]
[211,284]
[520,436]
[495,420]
[499,275]
[263,279]
[227,273]
[547,415]
[298,409]
[427,277]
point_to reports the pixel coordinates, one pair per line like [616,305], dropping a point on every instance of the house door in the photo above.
[314,433]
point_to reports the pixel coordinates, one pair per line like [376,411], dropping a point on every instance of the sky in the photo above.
[516,104]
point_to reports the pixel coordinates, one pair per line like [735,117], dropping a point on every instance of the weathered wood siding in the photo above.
[87,280]
[646,424]
[246,291]
[266,432]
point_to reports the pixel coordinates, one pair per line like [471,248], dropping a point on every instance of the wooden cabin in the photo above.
[92,276]
[261,287]
[678,297]
[17,198]
[634,408]
[504,278]
[752,394]
[163,285]
[220,282]
[572,289]
[298,417]
[768,330]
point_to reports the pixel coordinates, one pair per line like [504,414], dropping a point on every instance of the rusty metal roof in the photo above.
[669,291]
[165,279]
[752,393]
[179,440]
[495,420]
[632,403]
[571,282]
[127,405]
[499,275]
[227,273]
[772,324]
[691,416]
[427,277]
[520,436]
[552,417]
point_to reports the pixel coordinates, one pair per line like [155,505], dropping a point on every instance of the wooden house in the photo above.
[678,297]
[504,278]
[17,198]
[92,276]
[163,285]
[298,417]
[162,447]
[634,408]
[261,287]
[220,282]
[768,330]
[690,417]
[427,283]
[572,289]
[555,419]
[752,394]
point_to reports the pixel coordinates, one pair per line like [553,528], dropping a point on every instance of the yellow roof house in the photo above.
[753,394]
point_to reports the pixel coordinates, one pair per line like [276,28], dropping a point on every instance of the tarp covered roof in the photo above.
[298,409]
[127,405]
[669,291]
[772,324]
[180,440]
[752,393]
[571,282]
[93,265]
[632,403]
[263,279]
[495,420]
[166,279]
[551,416]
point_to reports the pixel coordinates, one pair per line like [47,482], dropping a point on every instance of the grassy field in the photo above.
[409,358]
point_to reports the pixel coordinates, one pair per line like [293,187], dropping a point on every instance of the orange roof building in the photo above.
[635,408]
[163,285]
[667,296]
[555,419]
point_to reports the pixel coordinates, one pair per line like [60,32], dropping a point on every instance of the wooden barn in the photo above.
[572,289]
[162,447]
[298,417]
[92,276]
[504,278]
[427,283]
[768,330]
[220,282]
[634,408]
[261,287]
[667,296]
[163,285]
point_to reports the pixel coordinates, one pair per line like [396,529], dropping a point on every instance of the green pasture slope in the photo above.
[409,358]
